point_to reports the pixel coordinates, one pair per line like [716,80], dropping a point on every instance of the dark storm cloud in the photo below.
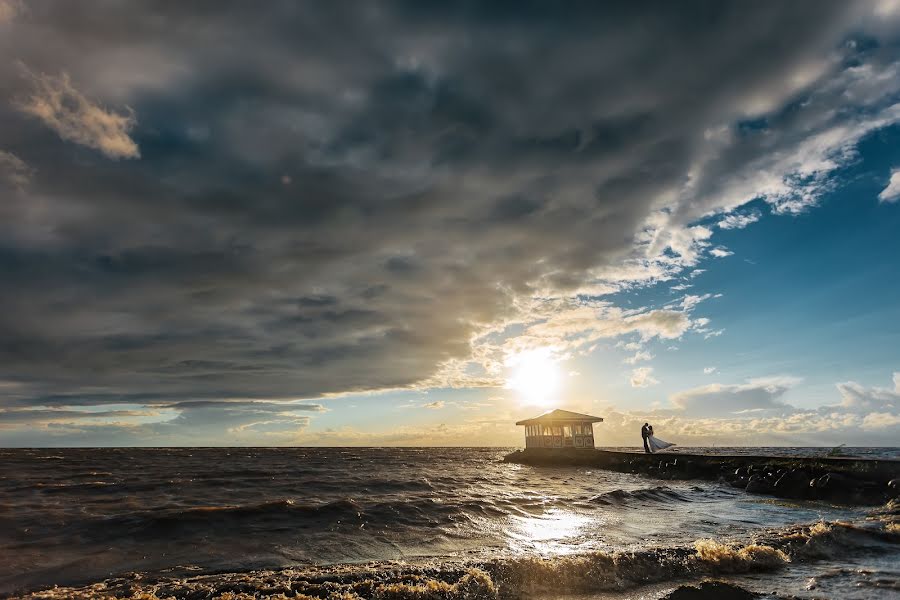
[32,416]
[328,197]
[262,407]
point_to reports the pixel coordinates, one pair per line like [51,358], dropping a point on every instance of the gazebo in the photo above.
[560,429]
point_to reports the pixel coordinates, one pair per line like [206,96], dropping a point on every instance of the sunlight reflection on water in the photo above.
[556,532]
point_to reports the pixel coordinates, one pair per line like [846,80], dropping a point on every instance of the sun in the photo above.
[535,376]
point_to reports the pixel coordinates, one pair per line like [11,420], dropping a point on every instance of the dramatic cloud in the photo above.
[892,192]
[75,118]
[334,199]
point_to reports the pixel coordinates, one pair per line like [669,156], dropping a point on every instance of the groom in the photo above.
[645,433]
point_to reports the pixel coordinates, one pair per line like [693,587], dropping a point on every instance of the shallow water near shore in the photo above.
[77,516]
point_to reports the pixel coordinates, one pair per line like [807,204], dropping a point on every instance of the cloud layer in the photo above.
[323,199]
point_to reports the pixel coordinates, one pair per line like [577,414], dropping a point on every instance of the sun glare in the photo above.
[535,376]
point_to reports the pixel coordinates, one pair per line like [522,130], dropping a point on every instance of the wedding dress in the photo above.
[657,444]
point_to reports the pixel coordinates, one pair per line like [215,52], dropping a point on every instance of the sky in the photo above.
[414,223]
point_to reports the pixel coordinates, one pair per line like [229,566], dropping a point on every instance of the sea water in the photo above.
[73,517]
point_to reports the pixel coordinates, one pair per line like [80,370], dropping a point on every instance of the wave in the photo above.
[623,497]
[592,572]
[76,487]
[285,513]
[162,522]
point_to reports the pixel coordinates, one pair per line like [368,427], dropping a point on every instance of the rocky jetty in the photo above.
[833,479]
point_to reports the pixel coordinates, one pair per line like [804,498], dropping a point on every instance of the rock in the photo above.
[740,482]
[757,484]
[710,590]
[834,483]
[793,484]
[894,488]
[837,487]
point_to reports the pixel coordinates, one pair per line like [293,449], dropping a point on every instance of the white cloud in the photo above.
[13,170]
[77,119]
[880,420]
[690,301]
[738,221]
[754,413]
[859,398]
[685,242]
[721,252]
[642,377]
[891,193]
[709,370]
[630,346]
[803,428]
[667,324]
[720,400]
[638,357]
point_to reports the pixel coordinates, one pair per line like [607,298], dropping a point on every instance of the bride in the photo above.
[655,443]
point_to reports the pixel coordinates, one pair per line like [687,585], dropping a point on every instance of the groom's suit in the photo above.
[645,433]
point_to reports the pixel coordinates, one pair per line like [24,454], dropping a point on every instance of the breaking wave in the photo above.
[513,577]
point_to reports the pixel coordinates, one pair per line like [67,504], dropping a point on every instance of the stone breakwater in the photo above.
[841,480]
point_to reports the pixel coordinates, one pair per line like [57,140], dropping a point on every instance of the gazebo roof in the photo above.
[560,415]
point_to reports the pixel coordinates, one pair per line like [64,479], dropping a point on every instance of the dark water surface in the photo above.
[79,515]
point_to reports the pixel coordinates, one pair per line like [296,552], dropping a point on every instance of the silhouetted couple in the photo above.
[651,443]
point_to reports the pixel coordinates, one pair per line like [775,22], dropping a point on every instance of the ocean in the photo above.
[409,522]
